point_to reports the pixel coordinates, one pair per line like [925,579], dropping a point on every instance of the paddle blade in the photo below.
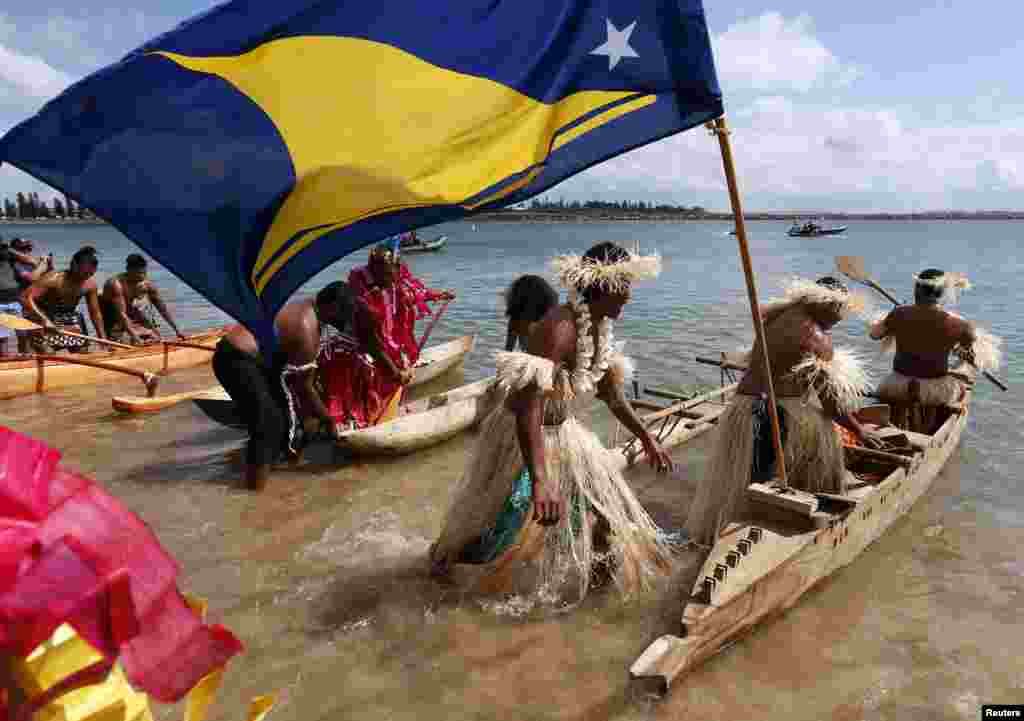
[13,322]
[852,266]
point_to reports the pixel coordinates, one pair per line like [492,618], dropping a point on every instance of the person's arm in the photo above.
[375,344]
[820,344]
[30,295]
[614,397]
[92,301]
[158,303]
[115,295]
[303,353]
[879,329]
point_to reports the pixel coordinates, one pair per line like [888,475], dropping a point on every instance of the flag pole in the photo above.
[719,129]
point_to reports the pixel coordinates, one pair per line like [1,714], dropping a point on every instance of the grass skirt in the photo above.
[933,391]
[554,562]
[814,460]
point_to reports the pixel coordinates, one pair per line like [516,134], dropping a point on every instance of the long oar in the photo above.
[852,266]
[15,323]
[149,379]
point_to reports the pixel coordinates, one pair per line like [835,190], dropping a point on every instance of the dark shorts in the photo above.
[260,399]
[763,464]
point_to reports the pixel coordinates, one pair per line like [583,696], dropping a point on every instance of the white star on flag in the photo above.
[616,46]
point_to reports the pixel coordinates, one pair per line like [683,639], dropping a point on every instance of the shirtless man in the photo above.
[815,384]
[127,301]
[923,336]
[527,300]
[27,269]
[53,299]
[275,396]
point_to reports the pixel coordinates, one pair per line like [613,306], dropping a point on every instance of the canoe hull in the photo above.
[24,377]
[780,568]
[429,247]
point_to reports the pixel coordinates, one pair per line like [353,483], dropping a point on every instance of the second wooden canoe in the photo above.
[19,377]
[434,362]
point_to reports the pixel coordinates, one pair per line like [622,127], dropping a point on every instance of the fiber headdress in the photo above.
[826,291]
[577,272]
[947,285]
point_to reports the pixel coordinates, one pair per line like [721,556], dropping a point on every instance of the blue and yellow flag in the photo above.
[257,143]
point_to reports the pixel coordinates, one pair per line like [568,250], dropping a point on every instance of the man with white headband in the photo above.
[922,336]
[541,506]
[815,385]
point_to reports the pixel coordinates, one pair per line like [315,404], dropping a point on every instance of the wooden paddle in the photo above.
[852,267]
[15,323]
[149,379]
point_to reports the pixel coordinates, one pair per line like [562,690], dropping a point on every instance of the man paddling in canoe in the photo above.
[128,302]
[274,397]
[923,335]
[527,300]
[540,493]
[363,373]
[815,384]
[52,301]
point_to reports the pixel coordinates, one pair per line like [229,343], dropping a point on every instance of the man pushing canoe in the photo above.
[52,300]
[273,397]
[815,384]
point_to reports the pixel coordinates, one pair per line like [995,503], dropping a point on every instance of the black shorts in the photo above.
[257,392]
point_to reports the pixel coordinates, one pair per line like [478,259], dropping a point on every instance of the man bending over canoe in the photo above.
[815,384]
[541,505]
[923,335]
[363,374]
[52,301]
[274,396]
[128,302]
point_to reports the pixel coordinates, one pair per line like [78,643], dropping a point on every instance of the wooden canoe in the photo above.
[768,558]
[425,422]
[434,362]
[19,376]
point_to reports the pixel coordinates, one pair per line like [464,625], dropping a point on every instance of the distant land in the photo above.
[603,215]
[609,215]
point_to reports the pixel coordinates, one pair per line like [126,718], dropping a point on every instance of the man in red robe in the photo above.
[363,372]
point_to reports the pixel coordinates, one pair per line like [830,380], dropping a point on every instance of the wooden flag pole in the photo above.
[719,129]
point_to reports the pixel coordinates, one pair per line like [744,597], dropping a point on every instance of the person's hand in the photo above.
[49,325]
[446,294]
[657,456]
[180,335]
[547,503]
[869,439]
[406,375]
[333,430]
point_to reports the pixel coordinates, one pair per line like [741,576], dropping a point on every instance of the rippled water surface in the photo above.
[323,577]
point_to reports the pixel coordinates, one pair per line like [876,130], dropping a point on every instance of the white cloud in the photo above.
[791,155]
[772,54]
[30,74]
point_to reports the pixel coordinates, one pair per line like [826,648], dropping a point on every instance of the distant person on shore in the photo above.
[129,303]
[52,301]
[274,395]
[527,300]
[922,336]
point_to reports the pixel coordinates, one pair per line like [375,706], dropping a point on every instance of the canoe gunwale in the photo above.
[737,590]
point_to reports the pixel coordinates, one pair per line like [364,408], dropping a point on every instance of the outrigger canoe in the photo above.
[434,362]
[783,544]
[21,376]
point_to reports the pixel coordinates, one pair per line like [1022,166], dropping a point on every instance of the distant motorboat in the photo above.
[811,230]
[426,246]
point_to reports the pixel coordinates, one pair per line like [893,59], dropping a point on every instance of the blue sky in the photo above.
[868,106]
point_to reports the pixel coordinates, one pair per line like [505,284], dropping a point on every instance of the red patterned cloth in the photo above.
[357,388]
[70,552]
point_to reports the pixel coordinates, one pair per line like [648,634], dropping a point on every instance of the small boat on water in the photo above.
[427,246]
[433,362]
[21,375]
[812,230]
[785,543]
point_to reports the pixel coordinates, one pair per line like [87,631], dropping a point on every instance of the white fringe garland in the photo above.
[801,290]
[844,379]
[575,271]
[949,283]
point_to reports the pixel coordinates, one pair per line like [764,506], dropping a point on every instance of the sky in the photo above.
[872,106]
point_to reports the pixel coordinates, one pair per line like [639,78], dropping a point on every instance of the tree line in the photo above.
[28,206]
[621,205]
